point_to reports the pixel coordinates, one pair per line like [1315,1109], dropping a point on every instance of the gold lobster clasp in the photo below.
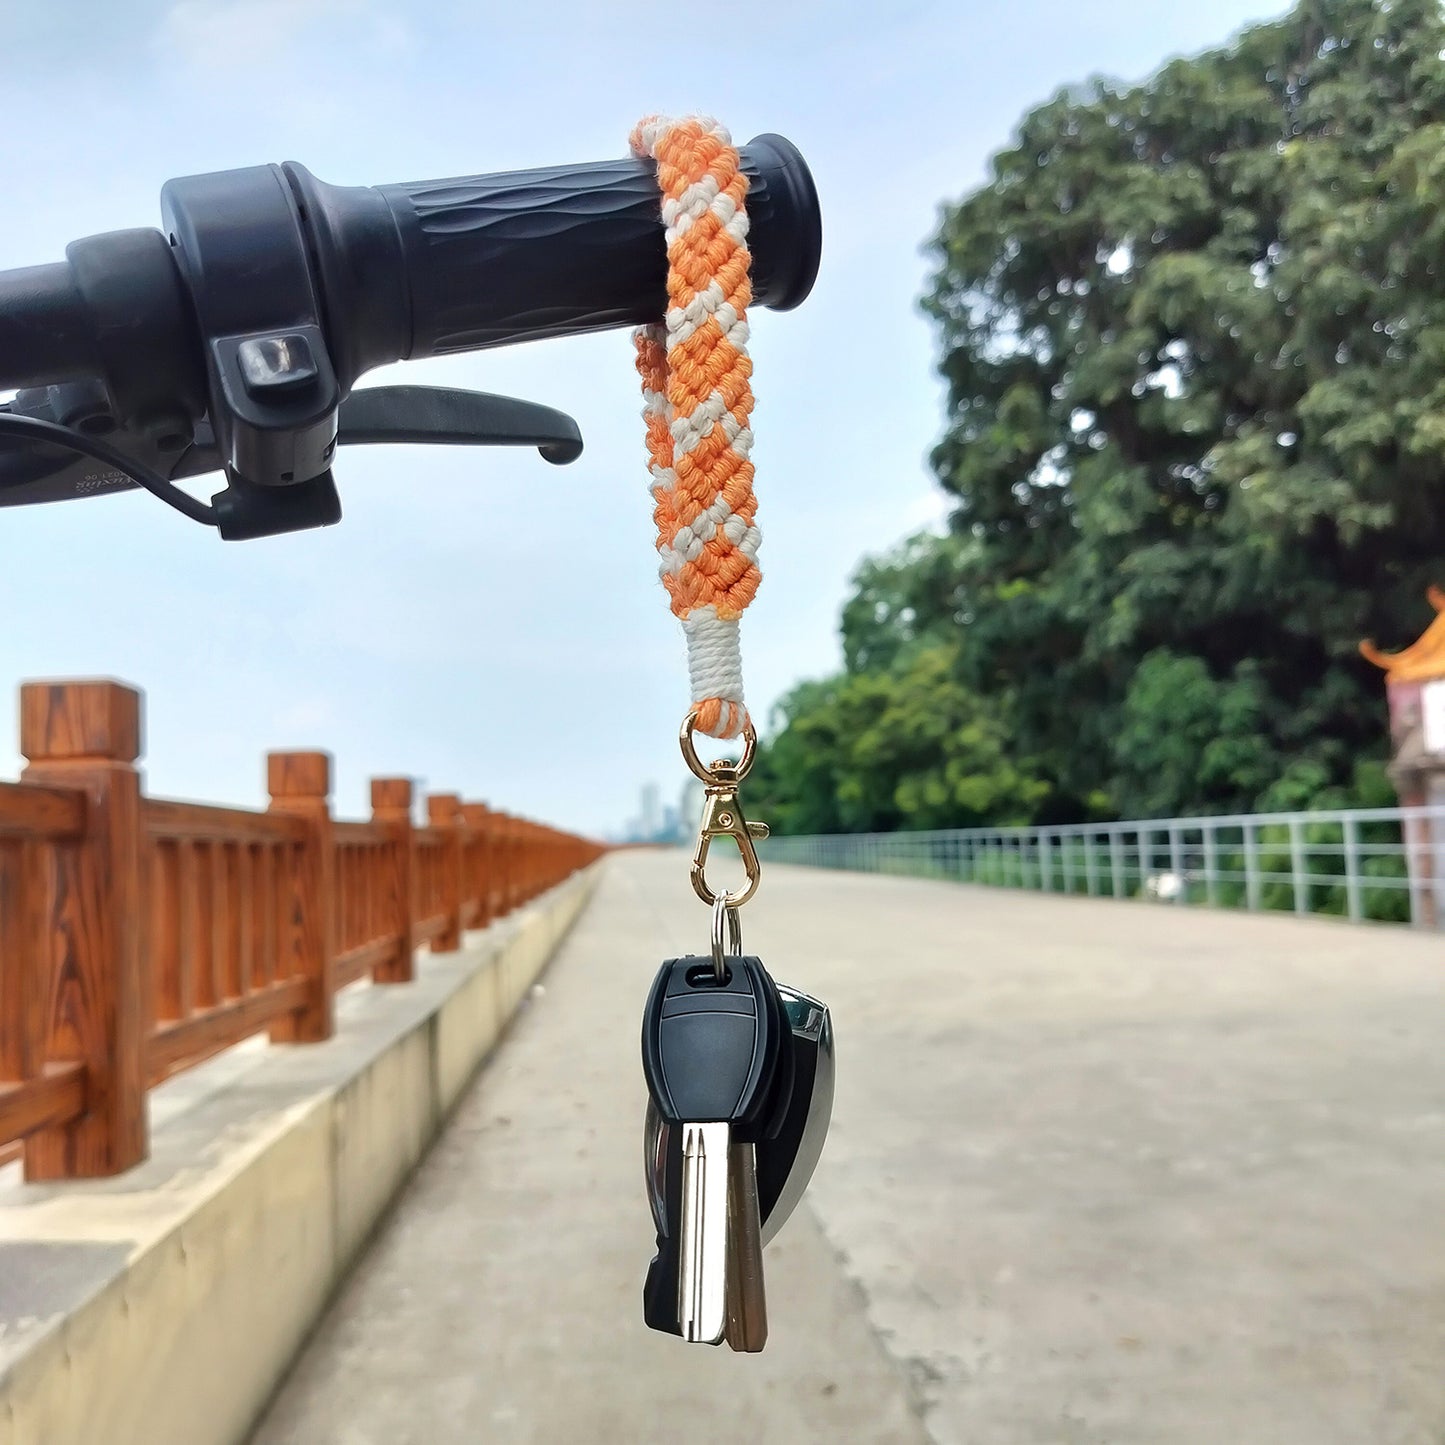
[722,815]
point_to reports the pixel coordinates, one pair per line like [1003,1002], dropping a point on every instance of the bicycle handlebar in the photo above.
[231,338]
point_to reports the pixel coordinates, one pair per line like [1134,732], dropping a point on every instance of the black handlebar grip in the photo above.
[488,260]
[46,332]
[411,270]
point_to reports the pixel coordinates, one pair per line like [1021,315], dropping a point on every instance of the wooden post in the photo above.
[530,856]
[87,736]
[443,810]
[501,865]
[516,864]
[300,784]
[487,822]
[391,801]
[474,815]
[523,831]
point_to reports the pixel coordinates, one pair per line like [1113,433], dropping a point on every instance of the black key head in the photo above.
[717,1050]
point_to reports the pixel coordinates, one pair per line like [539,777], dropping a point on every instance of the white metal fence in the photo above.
[1386,864]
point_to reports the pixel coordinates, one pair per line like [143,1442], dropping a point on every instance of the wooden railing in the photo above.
[139,937]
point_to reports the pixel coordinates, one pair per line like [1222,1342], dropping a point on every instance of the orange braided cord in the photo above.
[695,382]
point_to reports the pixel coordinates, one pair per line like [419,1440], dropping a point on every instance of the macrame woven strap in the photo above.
[698,403]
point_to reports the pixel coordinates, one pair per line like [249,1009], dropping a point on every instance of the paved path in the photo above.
[1100,1172]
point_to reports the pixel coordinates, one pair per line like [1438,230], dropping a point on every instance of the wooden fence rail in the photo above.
[140,936]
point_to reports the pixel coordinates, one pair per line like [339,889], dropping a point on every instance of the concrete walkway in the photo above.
[1099,1172]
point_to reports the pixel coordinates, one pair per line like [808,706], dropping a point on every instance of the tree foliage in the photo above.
[903,747]
[1193,335]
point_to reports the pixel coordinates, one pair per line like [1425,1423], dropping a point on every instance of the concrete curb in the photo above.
[163,1307]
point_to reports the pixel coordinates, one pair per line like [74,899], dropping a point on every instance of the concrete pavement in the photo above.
[503,1300]
[1099,1172]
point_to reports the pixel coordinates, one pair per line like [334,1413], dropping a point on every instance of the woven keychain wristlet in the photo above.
[739,1068]
[695,374]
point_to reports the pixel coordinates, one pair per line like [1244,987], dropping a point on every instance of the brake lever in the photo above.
[445,416]
[438,416]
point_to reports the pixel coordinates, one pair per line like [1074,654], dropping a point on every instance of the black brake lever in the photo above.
[444,416]
[45,470]
[438,416]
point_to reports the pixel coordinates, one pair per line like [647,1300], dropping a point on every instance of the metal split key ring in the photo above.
[725,920]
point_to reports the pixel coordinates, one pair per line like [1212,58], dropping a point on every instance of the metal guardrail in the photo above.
[1384,864]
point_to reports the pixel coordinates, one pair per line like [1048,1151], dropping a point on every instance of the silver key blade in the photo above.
[703,1248]
[747,1302]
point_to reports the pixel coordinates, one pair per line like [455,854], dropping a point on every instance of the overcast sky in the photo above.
[483,621]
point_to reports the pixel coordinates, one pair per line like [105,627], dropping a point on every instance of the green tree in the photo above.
[1193,335]
[1194,339]
[1186,735]
[905,747]
[907,598]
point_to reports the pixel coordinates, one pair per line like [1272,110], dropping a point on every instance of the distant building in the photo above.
[657,822]
[689,807]
[649,823]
